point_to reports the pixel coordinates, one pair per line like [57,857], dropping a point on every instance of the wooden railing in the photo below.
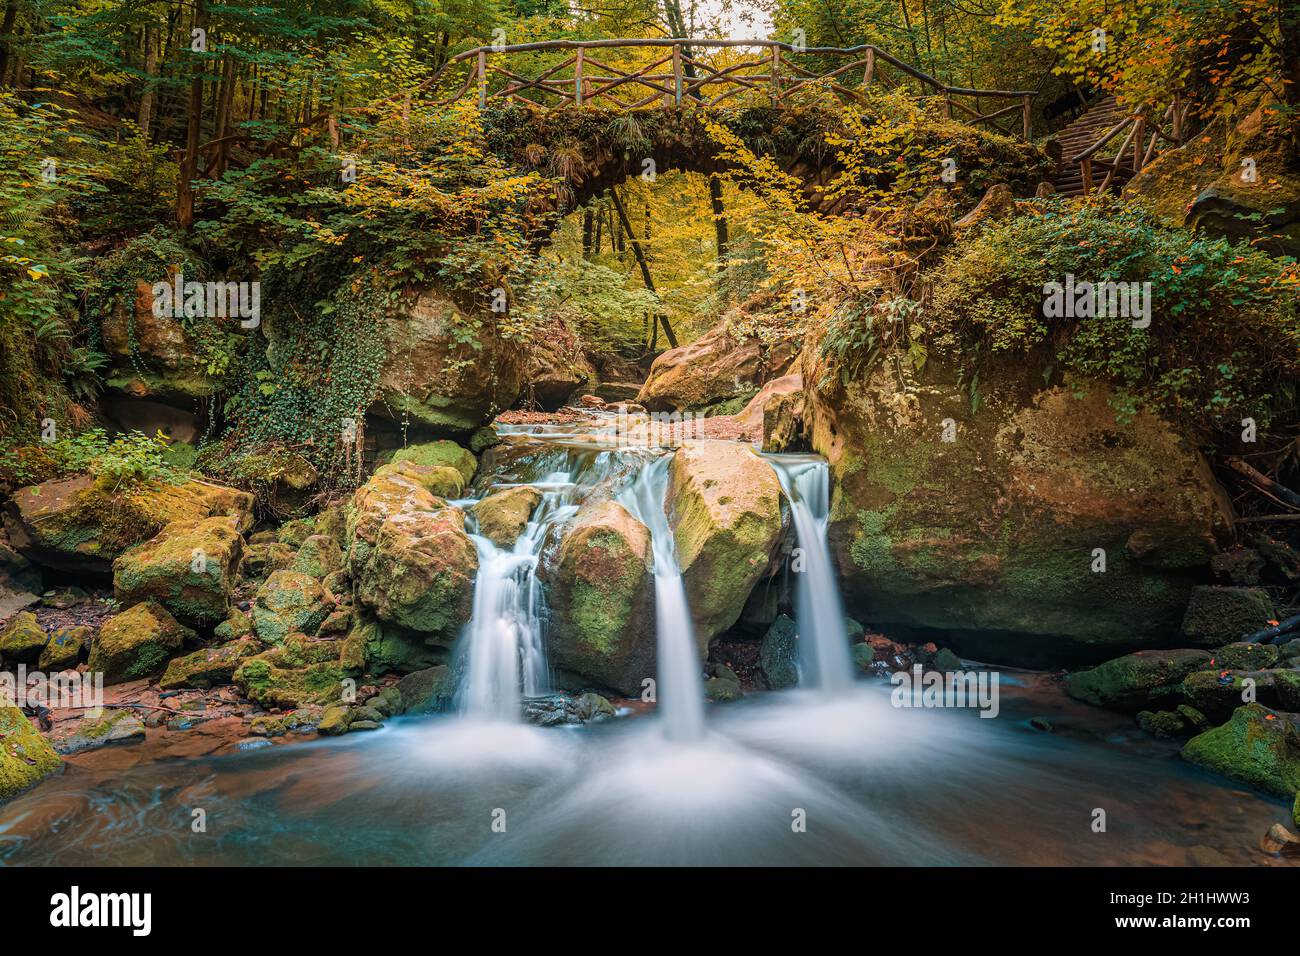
[673,72]
[1136,150]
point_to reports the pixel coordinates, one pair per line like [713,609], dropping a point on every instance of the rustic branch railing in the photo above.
[702,73]
[1136,150]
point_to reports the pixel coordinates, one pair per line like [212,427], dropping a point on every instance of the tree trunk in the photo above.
[588,225]
[224,101]
[193,128]
[6,38]
[719,221]
[145,116]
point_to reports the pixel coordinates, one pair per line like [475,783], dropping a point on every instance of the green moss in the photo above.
[1136,680]
[22,639]
[1256,746]
[446,454]
[136,643]
[25,756]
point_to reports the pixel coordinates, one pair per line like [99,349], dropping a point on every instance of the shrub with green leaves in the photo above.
[1224,337]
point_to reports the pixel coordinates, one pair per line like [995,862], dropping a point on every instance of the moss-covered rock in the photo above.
[1137,681]
[110,727]
[1286,684]
[26,757]
[295,531]
[137,643]
[1241,656]
[601,596]
[22,639]
[438,454]
[319,556]
[443,481]
[411,560]
[264,681]
[721,364]
[289,601]
[263,559]
[78,524]
[65,649]
[209,667]
[1216,615]
[994,535]
[383,649]
[427,691]
[724,505]
[1162,723]
[503,515]
[1257,746]
[1217,693]
[236,625]
[188,567]
[778,655]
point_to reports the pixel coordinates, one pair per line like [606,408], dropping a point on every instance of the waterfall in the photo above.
[679,686]
[505,638]
[824,661]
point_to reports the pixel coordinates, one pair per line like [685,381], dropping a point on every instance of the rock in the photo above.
[364,725]
[263,559]
[601,597]
[1162,723]
[1280,840]
[1257,747]
[437,454]
[555,368]
[1216,615]
[188,568]
[14,593]
[945,660]
[1286,684]
[22,639]
[65,648]
[591,401]
[285,479]
[295,531]
[151,356]
[1289,652]
[1218,693]
[76,524]
[1281,563]
[1240,656]
[722,689]
[502,515]
[1241,566]
[998,203]
[778,655]
[209,667]
[413,563]
[287,602]
[719,365]
[386,648]
[1193,718]
[26,757]
[428,691]
[863,656]
[236,625]
[593,707]
[483,439]
[113,726]
[1136,681]
[991,537]
[264,681]
[783,421]
[136,643]
[319,556]
[336,624]
[335,720]
[724,506]
[442,481]
[445,382]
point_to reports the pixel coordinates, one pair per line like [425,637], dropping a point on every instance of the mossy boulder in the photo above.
[442,481]
[437,454]
[137,643]
[1286,684]
[996,535]
[383,649]
[264,682]
[439,380]
[236,625]
[188,567]
[319,556]
[1162,723]
[723,363]
[295,531]
[1241,656]
[65,649]
[601,597]
[1216,615]
[79,524]
[263,559]
[502,516]
[427,691]
[1217,693]
[110,727]
[778,654]
[22,639]
[26,757]
[209,667]
[411,560]
[724,506]
[1257,746]
[288,602]
[1137,681]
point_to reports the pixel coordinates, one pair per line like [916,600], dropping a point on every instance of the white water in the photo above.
[679,685]
[824,661]
[505,641]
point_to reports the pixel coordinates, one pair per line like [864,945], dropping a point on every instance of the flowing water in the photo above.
[795,777]
[824,661]
[679,684]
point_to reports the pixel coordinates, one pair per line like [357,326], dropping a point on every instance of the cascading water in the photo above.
[505,639]
[679,687]
[824,661]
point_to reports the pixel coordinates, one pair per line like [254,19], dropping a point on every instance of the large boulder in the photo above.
[26,757]
[151,357]
[602,599]
[1220,615]
[137,643]
[721,364]
[22,639]
[210,666]
[724,506]
[449,371]
[994,526]
[413,563]
[189,568]
[1143,680]
[1257,746]
[503,515]
[555,368]
[288,602]
[436,454]
[78,524]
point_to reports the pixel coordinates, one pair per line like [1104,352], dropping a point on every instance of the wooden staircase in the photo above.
[1078,136]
